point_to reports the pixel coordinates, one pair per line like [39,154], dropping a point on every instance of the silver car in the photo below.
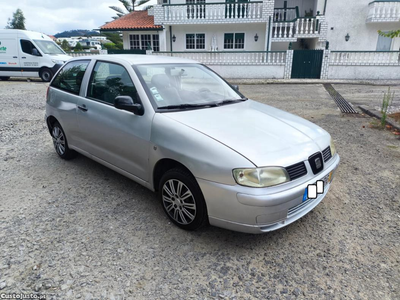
[177,128]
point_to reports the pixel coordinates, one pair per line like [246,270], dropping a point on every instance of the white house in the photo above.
[272,33]
[267,25]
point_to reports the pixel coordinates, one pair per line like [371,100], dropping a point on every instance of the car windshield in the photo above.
[175,86]
[48,47]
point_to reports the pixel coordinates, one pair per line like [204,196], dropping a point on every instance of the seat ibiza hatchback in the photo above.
[177,128]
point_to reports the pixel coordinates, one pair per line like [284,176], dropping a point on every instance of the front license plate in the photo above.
[326,180]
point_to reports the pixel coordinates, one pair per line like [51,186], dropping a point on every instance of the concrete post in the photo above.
[288,64]
[325,64]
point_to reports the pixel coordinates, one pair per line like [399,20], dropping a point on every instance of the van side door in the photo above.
[30,63]
[9,57]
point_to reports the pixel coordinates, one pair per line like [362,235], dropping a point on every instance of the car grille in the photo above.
[296,171]
[327,154]
[292,211]
[316,162]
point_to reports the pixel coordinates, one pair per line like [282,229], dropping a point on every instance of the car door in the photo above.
[9,61]
[115,136]
[30,63]
[64,95]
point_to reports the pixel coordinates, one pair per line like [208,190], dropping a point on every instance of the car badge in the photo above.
[318,163]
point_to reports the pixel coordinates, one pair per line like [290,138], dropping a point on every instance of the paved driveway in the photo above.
[79,230]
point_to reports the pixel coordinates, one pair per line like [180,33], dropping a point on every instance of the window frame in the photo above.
[33,46]
[195,41]
[91,77]
[234,41]
[151,34]
[62,68]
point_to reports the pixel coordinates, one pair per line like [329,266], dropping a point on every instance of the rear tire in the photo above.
[46,74]
[60,142]
[182,199]
[4,78]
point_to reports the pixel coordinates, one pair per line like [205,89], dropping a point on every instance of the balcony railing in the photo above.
[232,57]
[365,58]
[384,11]
[288,14]
[301,28]
[221,11]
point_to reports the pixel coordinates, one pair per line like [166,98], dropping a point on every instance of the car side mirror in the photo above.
[236,87]
[35,52]
[126,103]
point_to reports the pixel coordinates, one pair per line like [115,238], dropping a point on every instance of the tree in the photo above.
[78,47]
[129,6]
[391,34]
[17,21]
[65,45]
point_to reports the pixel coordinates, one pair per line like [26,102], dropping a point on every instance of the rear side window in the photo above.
[109,81]
[70,77]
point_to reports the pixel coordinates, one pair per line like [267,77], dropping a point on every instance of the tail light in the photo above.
[47,93]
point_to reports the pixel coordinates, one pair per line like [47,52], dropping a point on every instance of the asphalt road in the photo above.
[77,230]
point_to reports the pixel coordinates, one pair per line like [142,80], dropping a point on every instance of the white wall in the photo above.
[250,72]
[349,16]
[364,72]
[219,30]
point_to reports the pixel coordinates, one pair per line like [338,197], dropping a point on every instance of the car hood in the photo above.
[62,57]
[264,135]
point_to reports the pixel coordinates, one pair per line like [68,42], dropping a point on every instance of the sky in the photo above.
[54,16]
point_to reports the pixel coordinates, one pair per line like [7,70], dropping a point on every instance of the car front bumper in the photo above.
[253,210]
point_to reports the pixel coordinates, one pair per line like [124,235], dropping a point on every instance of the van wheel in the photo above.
[182,199]
[4,78]
[60,142]
[46,74]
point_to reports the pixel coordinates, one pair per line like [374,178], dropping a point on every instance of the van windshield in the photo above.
[48,47]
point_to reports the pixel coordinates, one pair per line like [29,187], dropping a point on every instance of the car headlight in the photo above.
[261,177]
[55,61]
[333,149]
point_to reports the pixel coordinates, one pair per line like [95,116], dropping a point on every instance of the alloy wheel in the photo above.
[179,201]
[58,140]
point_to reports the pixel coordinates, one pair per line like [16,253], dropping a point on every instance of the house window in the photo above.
[144,41]
[134,41]
[384,43]
[156,43]
[195,41]
[234,41]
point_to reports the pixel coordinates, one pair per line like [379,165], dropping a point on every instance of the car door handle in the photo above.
[23,57]
[82,107]
[15,56]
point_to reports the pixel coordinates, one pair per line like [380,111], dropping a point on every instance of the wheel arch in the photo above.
[162,166]
[51,120]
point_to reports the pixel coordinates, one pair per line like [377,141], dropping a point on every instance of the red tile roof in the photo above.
[135,20]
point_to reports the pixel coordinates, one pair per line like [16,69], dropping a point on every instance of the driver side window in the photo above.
[27,47]
[109,81]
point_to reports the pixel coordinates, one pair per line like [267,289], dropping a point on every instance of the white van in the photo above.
[29,54]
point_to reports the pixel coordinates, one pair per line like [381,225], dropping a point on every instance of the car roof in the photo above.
[135,59]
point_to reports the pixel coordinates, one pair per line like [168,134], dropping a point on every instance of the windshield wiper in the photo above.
[228,101]
[186,105]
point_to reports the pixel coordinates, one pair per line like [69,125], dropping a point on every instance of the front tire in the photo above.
[182,199]
[4,78]
[46,74]
[60,142]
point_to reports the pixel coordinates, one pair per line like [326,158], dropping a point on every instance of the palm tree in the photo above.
[129,6]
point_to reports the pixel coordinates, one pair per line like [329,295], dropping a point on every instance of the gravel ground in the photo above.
[77,230]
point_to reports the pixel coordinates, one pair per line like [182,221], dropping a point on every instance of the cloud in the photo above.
[53,16]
